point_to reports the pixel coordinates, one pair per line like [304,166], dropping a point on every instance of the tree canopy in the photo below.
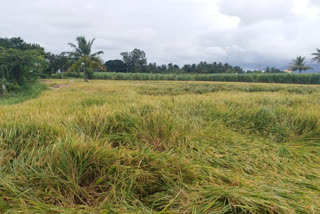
[299,64]
[83,58]
[18,43]
[57,63]
[116,66]
[135,60]
[316,55]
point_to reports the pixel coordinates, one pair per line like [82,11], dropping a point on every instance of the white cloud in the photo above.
[252,11]
[178,31]
[306,8]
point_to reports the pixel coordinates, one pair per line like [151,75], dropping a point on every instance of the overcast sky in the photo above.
[244,32]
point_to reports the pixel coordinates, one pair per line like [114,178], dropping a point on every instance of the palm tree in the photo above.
[82,57]
[299,64]
[317,56]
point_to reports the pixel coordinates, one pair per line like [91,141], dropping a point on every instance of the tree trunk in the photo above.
[85,74]
[4,90]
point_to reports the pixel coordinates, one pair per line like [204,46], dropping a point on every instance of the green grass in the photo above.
[162,147]
[258,78]
[26,92]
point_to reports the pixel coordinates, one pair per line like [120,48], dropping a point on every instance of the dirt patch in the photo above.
[60,86]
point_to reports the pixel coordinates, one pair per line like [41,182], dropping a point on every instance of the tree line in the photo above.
[136,62]
[22,63]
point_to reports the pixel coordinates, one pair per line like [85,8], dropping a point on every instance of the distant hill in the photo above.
[316,68]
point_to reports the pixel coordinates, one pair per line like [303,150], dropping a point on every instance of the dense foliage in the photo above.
[17,43]
[116,66]
[136,62]
[201,68]
[20,63]
[58,64]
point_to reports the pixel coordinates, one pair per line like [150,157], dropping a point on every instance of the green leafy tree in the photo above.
[299,64]
[316,55]
[56,63]
[20,63]
[116,66]
[20,66]
[83,58]
[17,43]
[135,60]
